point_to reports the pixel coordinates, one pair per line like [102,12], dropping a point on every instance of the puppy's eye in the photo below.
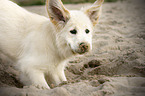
[74,31]
[87,31]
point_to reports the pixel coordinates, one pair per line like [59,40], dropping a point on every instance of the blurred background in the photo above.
[42,2]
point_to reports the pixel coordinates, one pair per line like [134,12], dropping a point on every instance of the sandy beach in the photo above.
[115,66]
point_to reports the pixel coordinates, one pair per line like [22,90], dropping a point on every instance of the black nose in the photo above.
[82,43]
[83,47]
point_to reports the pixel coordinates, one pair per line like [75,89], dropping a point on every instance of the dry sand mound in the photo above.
[115,67]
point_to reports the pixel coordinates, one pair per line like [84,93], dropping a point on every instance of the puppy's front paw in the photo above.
[41,87]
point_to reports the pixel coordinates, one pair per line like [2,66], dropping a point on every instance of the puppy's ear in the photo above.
[58,14]
[94,11]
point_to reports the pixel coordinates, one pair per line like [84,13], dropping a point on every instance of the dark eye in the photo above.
[74,31]
[87,31]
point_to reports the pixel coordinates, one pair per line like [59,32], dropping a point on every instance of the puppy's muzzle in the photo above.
[83,48]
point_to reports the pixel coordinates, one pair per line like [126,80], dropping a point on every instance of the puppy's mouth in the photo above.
[81,51]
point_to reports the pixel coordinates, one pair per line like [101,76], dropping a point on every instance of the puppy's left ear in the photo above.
[58,14]
[94,11]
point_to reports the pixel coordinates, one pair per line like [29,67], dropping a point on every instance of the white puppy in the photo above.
[40,46]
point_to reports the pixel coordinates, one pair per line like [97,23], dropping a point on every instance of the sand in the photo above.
[115,67]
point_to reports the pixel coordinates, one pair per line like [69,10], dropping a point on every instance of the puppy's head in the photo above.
[74,28]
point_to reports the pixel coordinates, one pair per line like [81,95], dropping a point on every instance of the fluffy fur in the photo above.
[40,46]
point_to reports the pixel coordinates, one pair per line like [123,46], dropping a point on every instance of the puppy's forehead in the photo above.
[79,18]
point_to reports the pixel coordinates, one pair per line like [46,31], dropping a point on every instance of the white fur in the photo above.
[38,47]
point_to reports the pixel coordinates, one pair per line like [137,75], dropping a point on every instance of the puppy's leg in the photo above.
[62,76]
[56,77]
[60,71]
[34,77]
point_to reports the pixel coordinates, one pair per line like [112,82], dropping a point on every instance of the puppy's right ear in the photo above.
[58,14]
